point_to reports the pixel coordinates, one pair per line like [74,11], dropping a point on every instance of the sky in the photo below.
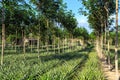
[74,5]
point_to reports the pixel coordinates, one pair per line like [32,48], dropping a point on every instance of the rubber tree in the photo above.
[17,12]
[68,21]
[7,9]
[27,17]
[97,16]
[116,43]
[94,20]
[81,33]
[3,32]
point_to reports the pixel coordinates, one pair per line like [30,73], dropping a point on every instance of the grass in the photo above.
[92,69]
[74,65]
[17,69]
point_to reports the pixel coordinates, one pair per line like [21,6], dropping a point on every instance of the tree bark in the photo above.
[101,46]
[108,35]
[58,46]
[38,46]
[38,43]
[54,45]
[16,42]
[108,49]
[47,46]
[63,45]
[105,38]
[31,44]
[108,43]
[47,41]
[98,46]
[72,46]
[3,35]
[24,48]
[3,43]
[116,43]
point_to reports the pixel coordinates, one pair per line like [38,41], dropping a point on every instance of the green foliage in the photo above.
[67,20]
[16,67]
[92,37]
[17,12]
[49,66]
[81,32]
[92,69]
[112,36]
[39,18]
[97,13]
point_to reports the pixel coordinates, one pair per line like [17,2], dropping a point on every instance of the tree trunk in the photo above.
[108,40]
[22,41]
[31,45]
[24,46]
[3,42]
[47,41]
[58,46]
[71,43]
[98,47]
[72,47]
[38,46]
[24,50]
[105,39]
[63,44]
[68,44]
[101,46]
[54,45]
[108,49]
[3,35]
[47,46]
[38,43]
[116,43]
[16,42]
[101,39]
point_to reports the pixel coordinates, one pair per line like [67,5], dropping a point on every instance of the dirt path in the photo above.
[109,75]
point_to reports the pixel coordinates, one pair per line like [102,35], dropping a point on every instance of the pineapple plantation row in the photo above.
[80,64]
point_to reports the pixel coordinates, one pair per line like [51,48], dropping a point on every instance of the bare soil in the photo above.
[109,74]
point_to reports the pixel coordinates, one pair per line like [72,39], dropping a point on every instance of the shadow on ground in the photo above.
[64,56]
